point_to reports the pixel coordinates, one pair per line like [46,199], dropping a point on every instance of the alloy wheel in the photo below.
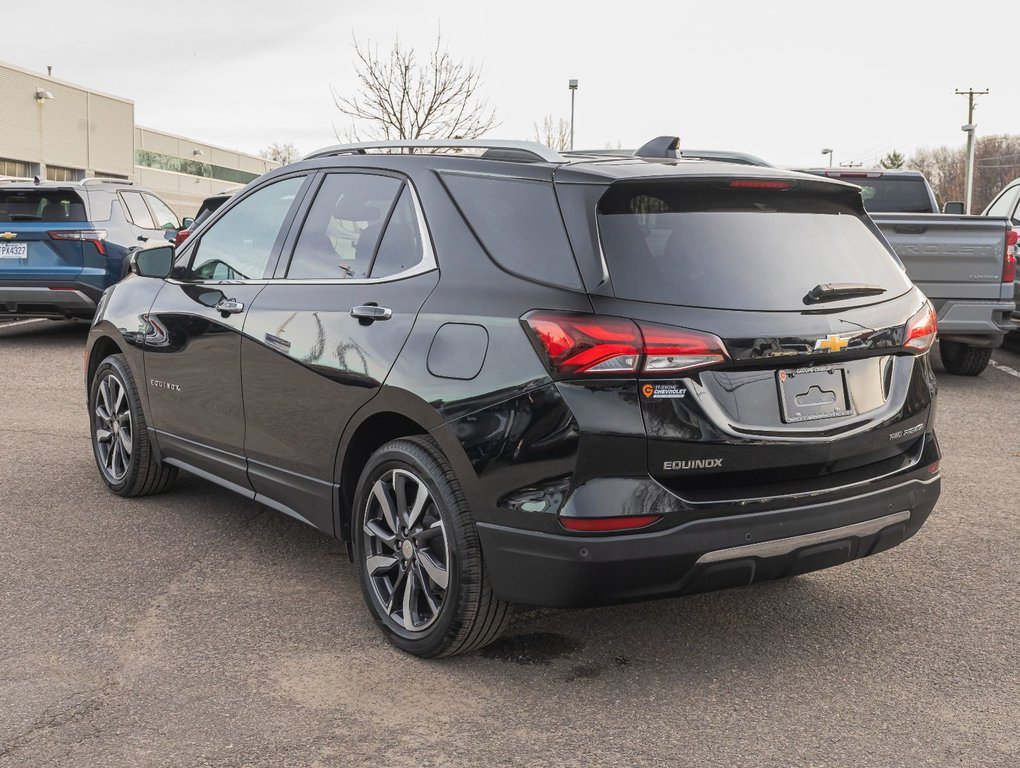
[407,555]
[113,428]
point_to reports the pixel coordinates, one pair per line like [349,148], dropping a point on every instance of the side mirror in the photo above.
[954,208]
[187,222]
[155,261]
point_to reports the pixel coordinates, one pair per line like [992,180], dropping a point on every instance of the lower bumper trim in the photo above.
[778,547]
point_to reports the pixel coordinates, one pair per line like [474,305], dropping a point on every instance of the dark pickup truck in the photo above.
[965,265]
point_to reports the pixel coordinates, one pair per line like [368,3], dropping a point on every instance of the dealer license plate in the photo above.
[809,394]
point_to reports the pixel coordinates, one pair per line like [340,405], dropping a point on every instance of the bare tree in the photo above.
[555,134]
[400,97]
[280,153]
[997,162]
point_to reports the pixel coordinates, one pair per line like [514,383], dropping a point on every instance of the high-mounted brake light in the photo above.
[574,344]
[760,184]
[95,236]
[1009,257]
[601,524]
[921,329]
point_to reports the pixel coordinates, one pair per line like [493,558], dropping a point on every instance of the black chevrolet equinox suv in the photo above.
[502,375]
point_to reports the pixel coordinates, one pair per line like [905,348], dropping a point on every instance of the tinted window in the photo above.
[518,224]
[137,211]
[1004,203]
[41,205]
[401,247]
[239,244]
[343,226]
[893,194]
[751,249]
[165,218]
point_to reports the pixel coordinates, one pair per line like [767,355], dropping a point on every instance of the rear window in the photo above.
[708,245]
[892,194]
[41,205]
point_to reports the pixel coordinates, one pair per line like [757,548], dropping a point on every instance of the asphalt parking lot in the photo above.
[197,628]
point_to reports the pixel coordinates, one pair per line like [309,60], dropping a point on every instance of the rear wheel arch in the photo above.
[103,347]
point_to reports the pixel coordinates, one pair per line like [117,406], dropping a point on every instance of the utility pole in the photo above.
[572,84]
[970,129]
[850,164]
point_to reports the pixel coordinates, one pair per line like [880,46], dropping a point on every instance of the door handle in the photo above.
[369,313]
[229,307]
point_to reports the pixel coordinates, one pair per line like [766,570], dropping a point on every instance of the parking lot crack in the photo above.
[67,710]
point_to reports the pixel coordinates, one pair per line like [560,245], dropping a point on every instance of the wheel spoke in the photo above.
[119,397]
[436,529]
[125,442]
[410,602]
[420,500]
[435,571]
[372,528]
[380,564]
[104,392]
[103,435]
[391,604]
[400,496]
[426,592]
[102,413]
[382,495]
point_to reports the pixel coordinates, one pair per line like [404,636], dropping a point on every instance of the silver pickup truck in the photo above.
[964,264]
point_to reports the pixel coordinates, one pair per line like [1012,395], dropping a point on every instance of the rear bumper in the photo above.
[711,553]
[981,323]
[59,301]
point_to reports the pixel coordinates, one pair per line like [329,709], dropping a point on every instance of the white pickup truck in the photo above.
[964,264]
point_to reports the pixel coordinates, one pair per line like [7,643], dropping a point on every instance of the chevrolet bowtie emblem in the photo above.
[8,235]
[831,343]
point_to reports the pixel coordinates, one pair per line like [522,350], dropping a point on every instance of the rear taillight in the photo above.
[574,344]
[95,236]
[1009,258]
[760,184]
[602,524]
[921,329]
[181,236]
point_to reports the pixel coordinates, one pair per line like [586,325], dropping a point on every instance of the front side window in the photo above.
[165,218]
[240,244]
[341,236]
[137,210]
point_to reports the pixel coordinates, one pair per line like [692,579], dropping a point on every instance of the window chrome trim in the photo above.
[427,264]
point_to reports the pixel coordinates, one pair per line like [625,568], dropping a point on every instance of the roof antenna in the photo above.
[37,180]
[661,146]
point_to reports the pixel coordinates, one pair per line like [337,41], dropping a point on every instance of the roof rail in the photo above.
[103,180]
[529,150]
[15,179]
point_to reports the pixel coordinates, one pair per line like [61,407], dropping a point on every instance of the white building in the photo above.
[65,132]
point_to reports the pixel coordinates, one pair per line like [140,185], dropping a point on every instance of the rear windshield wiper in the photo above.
[837,291]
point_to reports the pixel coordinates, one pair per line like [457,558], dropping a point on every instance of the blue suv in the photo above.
[63,244]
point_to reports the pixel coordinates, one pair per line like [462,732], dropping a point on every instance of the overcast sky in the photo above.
[780,79]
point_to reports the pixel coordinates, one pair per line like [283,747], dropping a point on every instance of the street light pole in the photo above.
[572,84]
[829,153]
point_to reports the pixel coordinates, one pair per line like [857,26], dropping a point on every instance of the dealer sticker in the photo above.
[666,390]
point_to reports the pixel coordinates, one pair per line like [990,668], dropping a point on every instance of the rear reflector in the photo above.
[572,344]
[760,184]
[921,330]
[95,236]
[933,468]
[594,524]
[1009,258]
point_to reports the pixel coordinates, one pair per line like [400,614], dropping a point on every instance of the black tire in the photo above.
[468,616]
[964,360]
[137,474]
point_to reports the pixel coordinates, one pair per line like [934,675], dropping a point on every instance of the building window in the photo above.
[14,168]
[56,173]
[149,159]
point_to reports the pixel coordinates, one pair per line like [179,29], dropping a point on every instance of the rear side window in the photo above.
[1005,202]
[519,225]
[41,205]
[709,245]
[344,226]
[137,210]
[239,245]
[165,218]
